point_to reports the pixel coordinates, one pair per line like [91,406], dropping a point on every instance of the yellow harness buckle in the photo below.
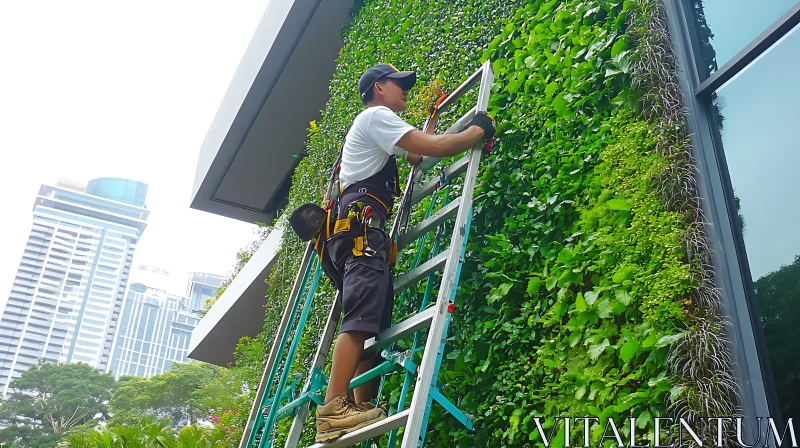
[342,225]
[358,246]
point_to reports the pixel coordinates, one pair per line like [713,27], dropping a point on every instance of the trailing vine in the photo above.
[701,359]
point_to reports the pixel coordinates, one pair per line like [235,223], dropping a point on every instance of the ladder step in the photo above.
[433,221]
[462,122]
[368,432]
[454,170]
[409,279]
[391,335]
[429,162]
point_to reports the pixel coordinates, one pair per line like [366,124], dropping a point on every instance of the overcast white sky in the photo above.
[119,89]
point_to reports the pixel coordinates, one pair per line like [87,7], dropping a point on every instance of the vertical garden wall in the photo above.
[587,288]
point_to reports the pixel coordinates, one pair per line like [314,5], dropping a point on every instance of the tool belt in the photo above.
[319,225]
[359,220]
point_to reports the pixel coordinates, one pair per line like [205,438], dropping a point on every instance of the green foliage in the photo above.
[700,359]
[65,402]
[778,296]
[577,284]
[50,399]
[441,40]
[177,395]
[146,434]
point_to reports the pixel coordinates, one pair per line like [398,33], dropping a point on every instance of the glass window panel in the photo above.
[760,111]
[725,27]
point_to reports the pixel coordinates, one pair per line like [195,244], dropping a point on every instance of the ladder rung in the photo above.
[433,221]
[450,172]
[429,162]
[368,432]
[408,279]
[462,122]
[399,331]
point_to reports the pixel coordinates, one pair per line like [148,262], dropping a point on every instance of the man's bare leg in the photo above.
[366,391]
[346,359]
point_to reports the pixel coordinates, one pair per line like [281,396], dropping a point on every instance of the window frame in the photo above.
[732,269]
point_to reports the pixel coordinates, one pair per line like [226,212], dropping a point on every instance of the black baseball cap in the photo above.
[371,76]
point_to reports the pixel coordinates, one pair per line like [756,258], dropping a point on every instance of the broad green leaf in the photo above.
[533,285]
[604,309]
[515,418]
[551,88]
[628,334]
[580,303]
[591,11]
[628,402]
[618,204]
[590,297]
[628,351]
[551,282]
[529,61]
[596,350]
[574,338]
[622,295]
[566,256]
[649,341]
[560,105]
[619,46]
[669,340]
[558,441]
[623,274]
[580,392]
[644,419]
[500,292]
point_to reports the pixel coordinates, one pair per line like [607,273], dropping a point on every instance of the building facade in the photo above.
[154,332]
[201,287]
[740,88]
[67,295]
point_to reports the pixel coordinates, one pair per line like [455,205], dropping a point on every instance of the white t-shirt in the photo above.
[370,142]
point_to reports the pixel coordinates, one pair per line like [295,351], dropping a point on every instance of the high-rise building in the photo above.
[67,295]
[154,331]
[157,277]
[202,286]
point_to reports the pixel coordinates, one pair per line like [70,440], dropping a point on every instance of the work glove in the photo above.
[484,122]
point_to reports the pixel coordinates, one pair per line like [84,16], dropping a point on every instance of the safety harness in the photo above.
[382,187]
[319,225]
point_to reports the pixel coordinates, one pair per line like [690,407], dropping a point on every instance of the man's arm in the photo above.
[416,159]
[422,144]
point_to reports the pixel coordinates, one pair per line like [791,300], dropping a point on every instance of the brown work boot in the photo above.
[341,416]
[366,405]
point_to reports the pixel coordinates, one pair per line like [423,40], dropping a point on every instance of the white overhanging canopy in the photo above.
[248,155]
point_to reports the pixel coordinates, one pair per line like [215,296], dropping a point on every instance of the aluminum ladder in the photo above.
[277,400]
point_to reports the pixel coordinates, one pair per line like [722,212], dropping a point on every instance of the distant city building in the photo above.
[67,295]
[202,286]
[157,277]
[154,332]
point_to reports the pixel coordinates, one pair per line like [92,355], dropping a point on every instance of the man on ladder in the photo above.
[360,247]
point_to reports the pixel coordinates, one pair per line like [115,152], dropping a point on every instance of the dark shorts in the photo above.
[367,291]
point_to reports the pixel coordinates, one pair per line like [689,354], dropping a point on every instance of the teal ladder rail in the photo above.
[277,397]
